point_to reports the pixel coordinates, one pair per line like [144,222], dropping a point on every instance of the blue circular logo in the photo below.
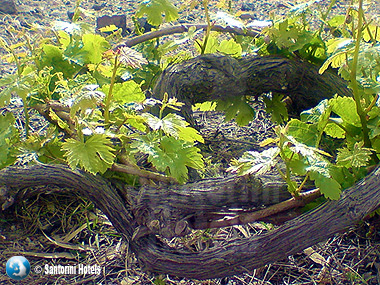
[18,267]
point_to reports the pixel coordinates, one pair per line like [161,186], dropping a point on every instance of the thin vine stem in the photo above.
[354,83]
[109,94]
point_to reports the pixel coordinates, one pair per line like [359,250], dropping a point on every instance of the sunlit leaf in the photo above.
[254,162]
[189,134]
[329,187]
[74,52]
[205,106]
[88,98]
[357,157]
[94,45]
[154,9]
[170,155]
[333,130]
[345,108]
[126,92]
[8,137]
[109,28]
[302,132]
[211,45]
[372,32]
[94,155]
[230,47]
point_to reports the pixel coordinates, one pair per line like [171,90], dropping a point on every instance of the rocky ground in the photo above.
[65,229]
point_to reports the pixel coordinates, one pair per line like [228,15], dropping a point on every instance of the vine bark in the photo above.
[219,261]
[173,210]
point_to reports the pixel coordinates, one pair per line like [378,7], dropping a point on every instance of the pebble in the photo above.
[8,7]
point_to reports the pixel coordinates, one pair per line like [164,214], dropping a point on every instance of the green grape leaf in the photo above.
[237,108]
[52,51]
[302,132]
[154,9]
[148,144]
[298,165]
[190,135]
[5,96]
[303,39]
[371,32]
[329,187]
[64,38]
[94,46]
[339,48]
[319,171]
[292,186]
[173,125]
[276,108]
[345,108]
[82,103]
[310,153]
[7,82]
[53,57]
[74,52]
[205,106]
[245,114]
[336,21]
[126,92]
[169,155]
[335,131]
[22,86]
[136,121]
[211,45]
[94,155]
[336,60]
[374,123]
[181,154]
[320,114]
[254,162]
[169,124]
[230,47]
[357,157]
[51,151]
[343,176]
[153,122]
[9,136]
[317,165]
[88,98]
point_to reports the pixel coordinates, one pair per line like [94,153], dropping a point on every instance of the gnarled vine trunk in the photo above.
[218,261]
[172,210]
[212,77]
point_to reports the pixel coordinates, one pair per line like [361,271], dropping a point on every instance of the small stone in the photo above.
[8,7]
[248,7]
[245,16]
[70,15]
[98,7]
